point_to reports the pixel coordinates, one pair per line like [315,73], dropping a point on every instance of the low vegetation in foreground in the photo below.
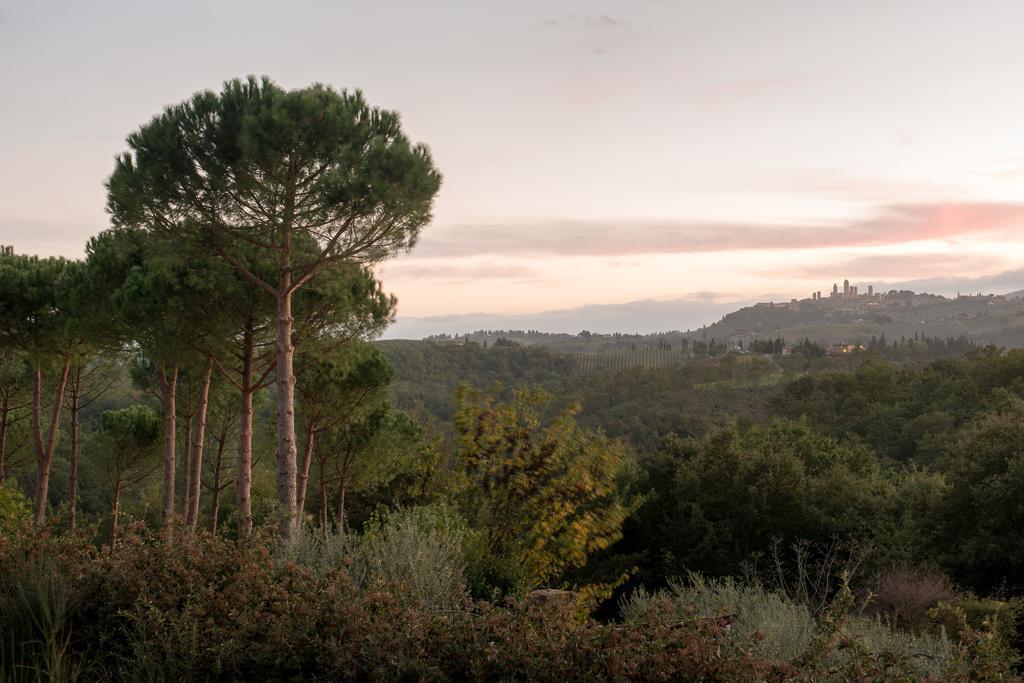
[394,603]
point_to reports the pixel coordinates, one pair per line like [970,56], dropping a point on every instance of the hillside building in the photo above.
[849,292]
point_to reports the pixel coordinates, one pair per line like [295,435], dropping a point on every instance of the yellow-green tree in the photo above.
[545,495]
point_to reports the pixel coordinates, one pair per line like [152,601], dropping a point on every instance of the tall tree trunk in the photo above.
[44,452]
[186,470]
[286,448]
[73,494]
[169,390]
[243,477]
[115,514]
[198,441]
[307,457]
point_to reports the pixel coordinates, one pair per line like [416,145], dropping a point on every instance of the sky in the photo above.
[668,155]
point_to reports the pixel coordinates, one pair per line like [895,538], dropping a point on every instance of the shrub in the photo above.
[784,627]
[422,550]
[202,607]
[903,596]
[207,607]
[985,627]
[780,629]
[14,508]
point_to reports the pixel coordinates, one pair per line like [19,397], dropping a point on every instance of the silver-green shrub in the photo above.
[419,549]
[786,628]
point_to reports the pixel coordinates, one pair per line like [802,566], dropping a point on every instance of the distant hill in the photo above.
[643,317]
[982,318]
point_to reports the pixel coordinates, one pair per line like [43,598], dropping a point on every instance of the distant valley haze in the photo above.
[612,166]
[680,314]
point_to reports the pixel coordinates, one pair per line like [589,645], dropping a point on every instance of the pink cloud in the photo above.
[892,224]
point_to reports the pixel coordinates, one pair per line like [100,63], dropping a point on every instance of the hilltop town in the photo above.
[843,320]
[848,316]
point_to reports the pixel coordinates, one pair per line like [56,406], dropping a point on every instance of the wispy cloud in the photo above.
[461,273]
[835,183]
[904,266]
[894,224]
[756,86]
[598,22]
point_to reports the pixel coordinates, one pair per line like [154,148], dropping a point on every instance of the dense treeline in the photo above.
[915,440]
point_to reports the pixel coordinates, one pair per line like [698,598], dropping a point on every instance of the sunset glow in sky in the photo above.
[593,152]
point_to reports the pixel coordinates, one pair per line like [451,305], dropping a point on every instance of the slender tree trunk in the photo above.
[243,477]
[341,509]
[198,441]
[37,410]
[73,494]
[215,492]
[115,515]
[44,452]
[307,458]
[186,470]
[4,412]
[169,390]
[325,509]
[286,448]
[214,510]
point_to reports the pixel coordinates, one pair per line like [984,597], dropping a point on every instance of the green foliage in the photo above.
[128,444]
[422,550]
[981,515]
[132,428]
[153,293]
[343,378]
[34,295]
[637,404]
[733,492]
[544,496]
[987,630]
[781,629]
[906,413]
[838,645]
[351,161]
[35,628]
[14,508]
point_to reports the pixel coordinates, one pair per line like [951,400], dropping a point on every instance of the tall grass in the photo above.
[35,635]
